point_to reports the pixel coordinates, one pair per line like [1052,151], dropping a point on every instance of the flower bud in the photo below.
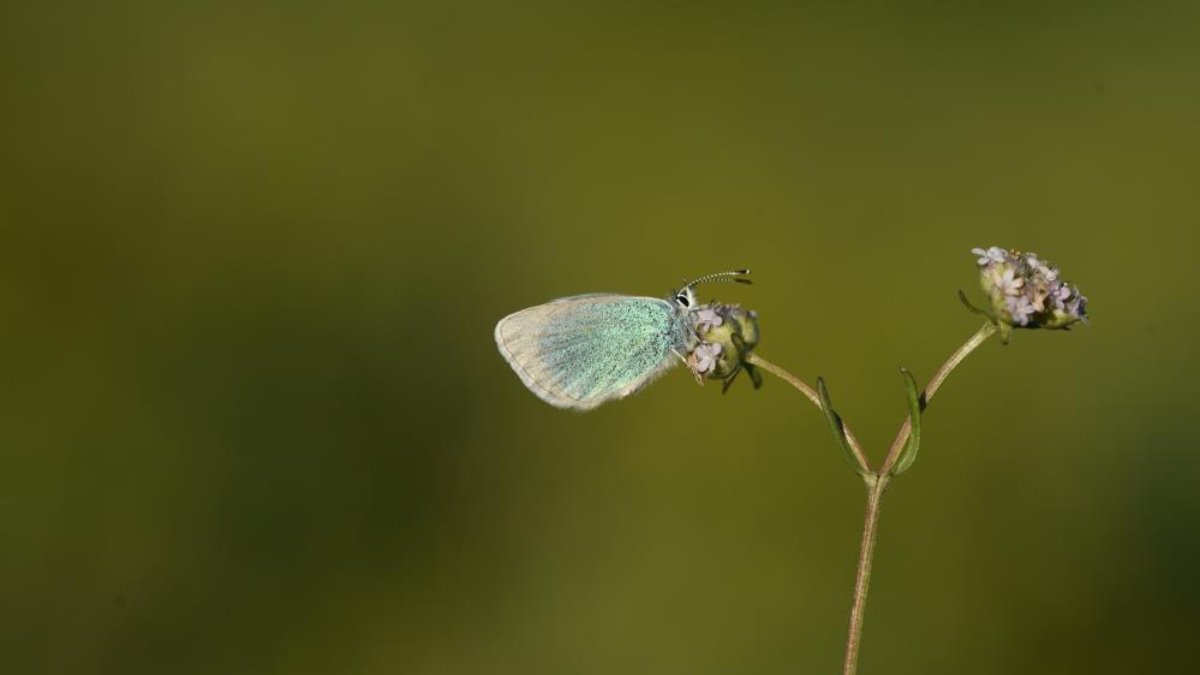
[1026,291]
[726,335]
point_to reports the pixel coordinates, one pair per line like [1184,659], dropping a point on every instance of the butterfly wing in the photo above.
[581,351]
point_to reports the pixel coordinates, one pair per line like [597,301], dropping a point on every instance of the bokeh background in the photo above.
[253,420]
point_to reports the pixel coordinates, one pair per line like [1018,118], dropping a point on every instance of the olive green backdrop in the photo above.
[252,419]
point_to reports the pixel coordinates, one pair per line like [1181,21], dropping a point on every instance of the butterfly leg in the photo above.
[688,364]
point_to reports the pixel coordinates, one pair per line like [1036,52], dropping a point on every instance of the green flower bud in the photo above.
[726,335]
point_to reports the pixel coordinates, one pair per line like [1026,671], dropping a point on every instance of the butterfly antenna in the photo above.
[736,276]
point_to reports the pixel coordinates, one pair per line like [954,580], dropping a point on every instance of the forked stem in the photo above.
[809,393]
[877,481]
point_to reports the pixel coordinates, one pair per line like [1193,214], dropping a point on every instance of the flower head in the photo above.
[707,318]
[725,335]
[989,255]
[704,358]
[1026,291]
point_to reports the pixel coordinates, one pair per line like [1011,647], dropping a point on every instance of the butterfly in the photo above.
[584,350]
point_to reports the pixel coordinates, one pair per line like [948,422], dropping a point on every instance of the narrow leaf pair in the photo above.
[907,456]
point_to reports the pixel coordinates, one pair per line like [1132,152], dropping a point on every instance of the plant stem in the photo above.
[866,554]
[810,394]
[935,382]
[862,579]
[877,481]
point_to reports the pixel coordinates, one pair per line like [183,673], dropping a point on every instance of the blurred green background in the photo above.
[253,420]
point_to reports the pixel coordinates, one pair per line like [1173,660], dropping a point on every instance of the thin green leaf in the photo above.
[755,376]
[725,384]
[839,432]
[967,303]
[1002,328]
[909,454]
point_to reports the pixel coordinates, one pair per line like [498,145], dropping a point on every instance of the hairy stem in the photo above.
[862,579]
[866,554]
[877,480]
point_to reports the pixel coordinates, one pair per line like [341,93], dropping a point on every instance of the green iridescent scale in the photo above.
[601,344]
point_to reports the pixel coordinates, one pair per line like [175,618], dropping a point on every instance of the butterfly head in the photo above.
[685,297]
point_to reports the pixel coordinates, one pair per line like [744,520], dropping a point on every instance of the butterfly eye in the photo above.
[682,299]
